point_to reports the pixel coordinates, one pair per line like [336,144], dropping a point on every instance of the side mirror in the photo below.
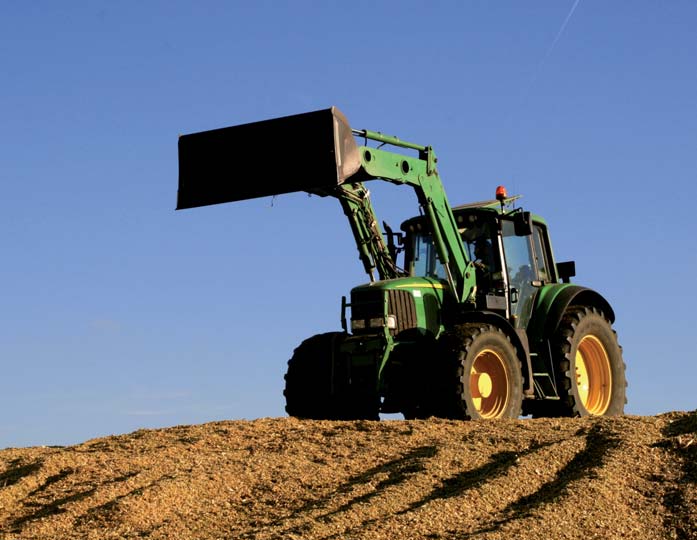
[522,223]
[393,248]
[566,270]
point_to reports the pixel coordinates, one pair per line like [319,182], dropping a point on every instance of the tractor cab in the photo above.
[510,253]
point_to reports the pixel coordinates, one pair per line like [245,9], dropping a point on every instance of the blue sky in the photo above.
[119,313]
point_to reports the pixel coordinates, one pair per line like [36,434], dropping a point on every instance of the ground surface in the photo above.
[629,477]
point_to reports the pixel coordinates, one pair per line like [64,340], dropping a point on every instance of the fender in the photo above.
[553,301]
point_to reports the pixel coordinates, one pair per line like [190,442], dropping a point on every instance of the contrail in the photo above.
[509,123]
[549,51]
[561,30]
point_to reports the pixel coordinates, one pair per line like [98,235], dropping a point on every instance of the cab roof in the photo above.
[489,207]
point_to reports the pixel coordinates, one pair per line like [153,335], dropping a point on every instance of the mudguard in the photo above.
[554,302]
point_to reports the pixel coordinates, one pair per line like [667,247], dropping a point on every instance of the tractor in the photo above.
[466,314]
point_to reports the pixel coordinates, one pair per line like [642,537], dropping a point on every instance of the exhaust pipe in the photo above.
[313,152]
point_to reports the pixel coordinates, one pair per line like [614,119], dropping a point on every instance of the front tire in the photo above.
[316,383]
[308,390]
[590,369]
[482,376]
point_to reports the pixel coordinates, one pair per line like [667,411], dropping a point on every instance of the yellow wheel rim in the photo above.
[593,375]
[489,384]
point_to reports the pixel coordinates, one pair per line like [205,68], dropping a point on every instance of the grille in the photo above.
[369,304]
[366,304]
[401,304]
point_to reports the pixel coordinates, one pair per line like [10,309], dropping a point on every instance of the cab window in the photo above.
[541,254]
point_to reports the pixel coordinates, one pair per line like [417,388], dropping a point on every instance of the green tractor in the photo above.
[478,321]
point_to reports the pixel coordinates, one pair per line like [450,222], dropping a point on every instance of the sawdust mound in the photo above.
[627,477]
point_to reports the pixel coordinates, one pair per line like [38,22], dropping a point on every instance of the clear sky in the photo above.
[119,313]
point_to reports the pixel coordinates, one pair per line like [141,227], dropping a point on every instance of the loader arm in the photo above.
[421,174]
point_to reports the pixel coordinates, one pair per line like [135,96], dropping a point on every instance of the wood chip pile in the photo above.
[605,478]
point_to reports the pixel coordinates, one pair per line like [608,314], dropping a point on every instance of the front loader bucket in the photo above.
[313,151]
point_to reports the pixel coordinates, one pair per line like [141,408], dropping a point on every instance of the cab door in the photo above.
[521,265]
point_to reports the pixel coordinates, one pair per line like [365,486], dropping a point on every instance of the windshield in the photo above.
[476,238]
[426,263]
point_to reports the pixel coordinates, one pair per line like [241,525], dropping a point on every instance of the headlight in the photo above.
[357,324]
[375,322]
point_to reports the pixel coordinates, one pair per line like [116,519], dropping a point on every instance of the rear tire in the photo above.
[589,365]
[481,376]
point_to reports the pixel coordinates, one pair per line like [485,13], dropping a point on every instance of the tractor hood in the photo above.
[312,151]
[410,303]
